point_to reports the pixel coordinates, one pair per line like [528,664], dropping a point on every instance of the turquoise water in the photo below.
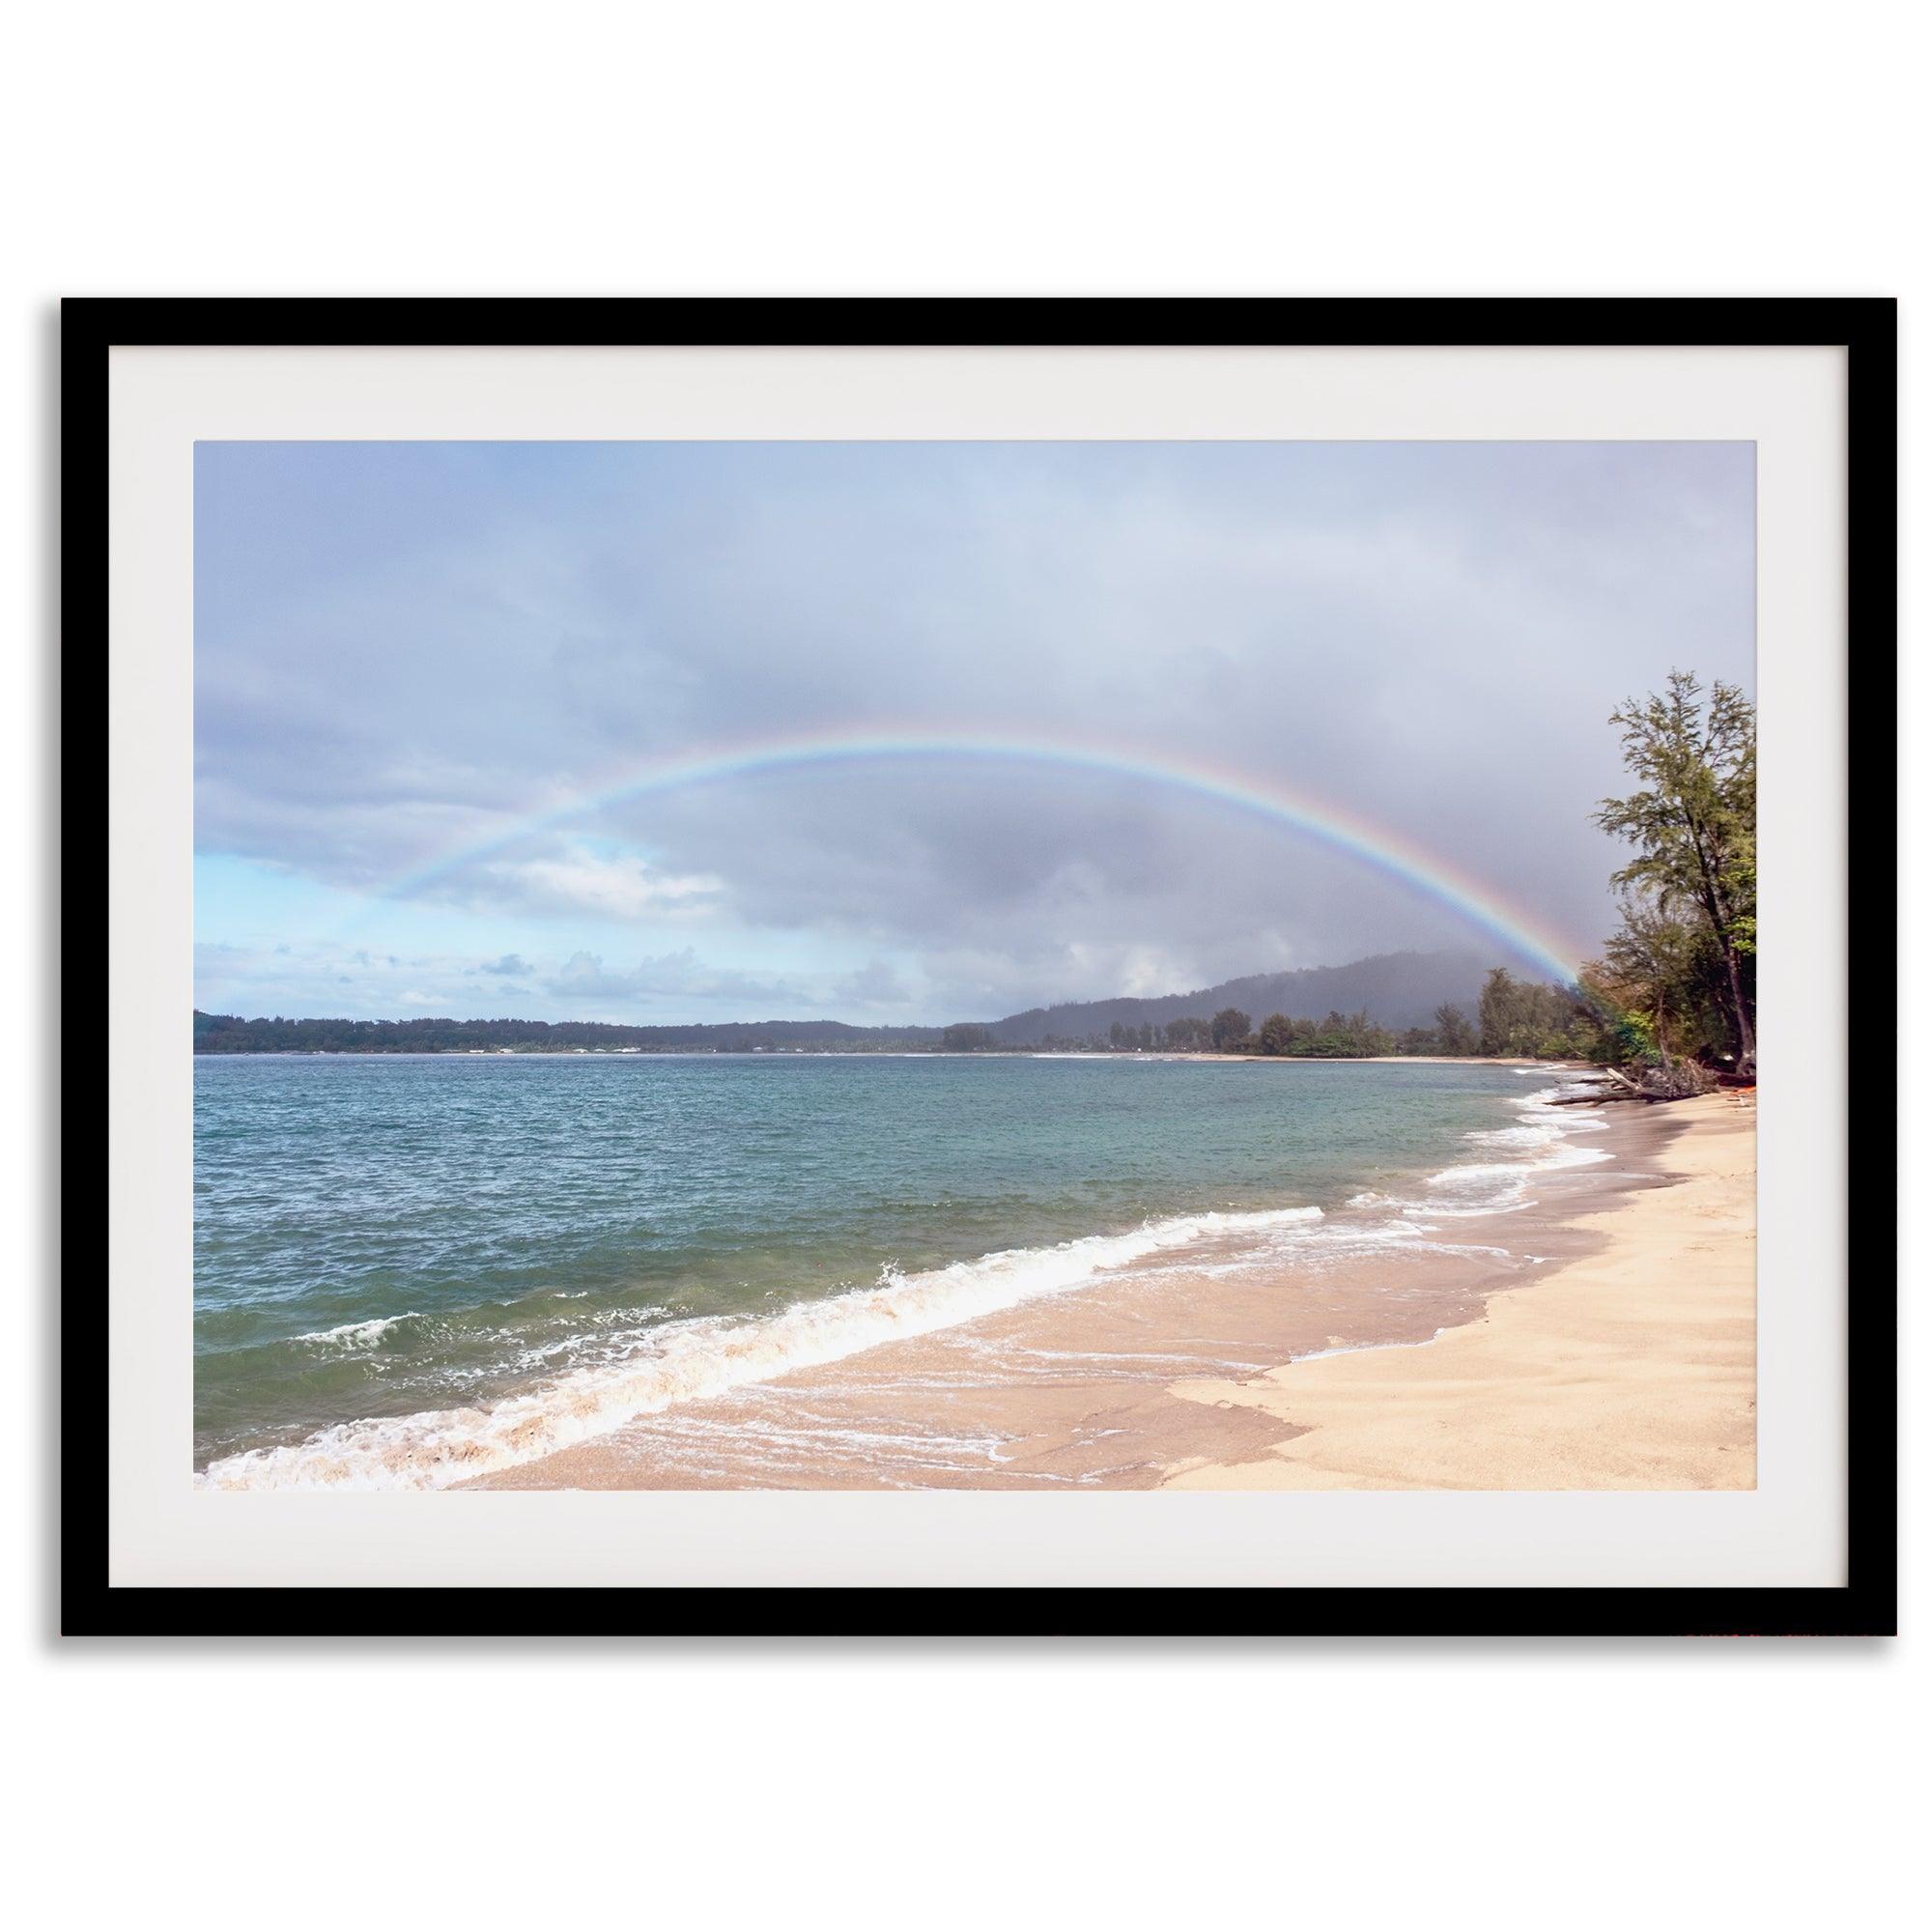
[417,1241]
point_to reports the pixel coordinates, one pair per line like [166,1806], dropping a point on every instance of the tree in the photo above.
[1522,1018]
[966,1038]
[1453,1032]
[1662,986]
[1277,1034]
[1695,826]
[1649,961]
[1498,1013]
[1227,1028]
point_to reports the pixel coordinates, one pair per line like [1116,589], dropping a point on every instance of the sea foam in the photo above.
[656,1368]
[1541,1139]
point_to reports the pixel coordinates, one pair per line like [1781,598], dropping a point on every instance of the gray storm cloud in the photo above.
[404,651]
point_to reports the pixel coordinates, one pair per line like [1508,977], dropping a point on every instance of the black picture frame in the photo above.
[1866,327]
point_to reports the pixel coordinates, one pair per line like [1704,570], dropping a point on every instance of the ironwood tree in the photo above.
[1693,824]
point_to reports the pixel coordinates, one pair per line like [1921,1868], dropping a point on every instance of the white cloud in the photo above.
[584,881]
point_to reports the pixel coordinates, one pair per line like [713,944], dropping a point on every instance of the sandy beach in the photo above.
[1634,1368]
[1610,1345]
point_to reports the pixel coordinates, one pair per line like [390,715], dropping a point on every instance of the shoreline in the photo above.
[1630,1368]
[881,1053]
[1255,1348]
[1164,1374]
[1361,1059]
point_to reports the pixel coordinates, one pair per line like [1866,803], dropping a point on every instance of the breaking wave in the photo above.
[655,1367]
[352,1335]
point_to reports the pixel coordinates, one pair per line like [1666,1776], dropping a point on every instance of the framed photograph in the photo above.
[967,967]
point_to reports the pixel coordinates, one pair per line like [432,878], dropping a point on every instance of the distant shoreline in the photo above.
[1369,1059]
[881,1053]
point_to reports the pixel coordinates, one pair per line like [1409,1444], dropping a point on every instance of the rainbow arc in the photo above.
[1429,875]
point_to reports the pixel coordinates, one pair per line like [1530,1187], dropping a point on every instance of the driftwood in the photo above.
[1681,1080]
[1607,1084]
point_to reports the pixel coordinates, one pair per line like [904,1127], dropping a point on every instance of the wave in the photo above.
[1541,1139]
[352,1335]
[657,1368]
[1541,1136]
[1541,1143]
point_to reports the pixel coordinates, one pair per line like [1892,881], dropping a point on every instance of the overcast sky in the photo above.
[408,650]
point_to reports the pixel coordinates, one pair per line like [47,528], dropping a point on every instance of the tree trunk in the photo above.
[1717,914]
[1747,1033]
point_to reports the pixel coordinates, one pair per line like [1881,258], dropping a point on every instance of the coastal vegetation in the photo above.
[1338,1036]
[225,1033]
[1514,1019]
[1676,988]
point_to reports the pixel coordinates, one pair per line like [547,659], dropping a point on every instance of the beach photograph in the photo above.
[1039,967]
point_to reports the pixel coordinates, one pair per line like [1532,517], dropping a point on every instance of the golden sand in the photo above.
[1634,1368]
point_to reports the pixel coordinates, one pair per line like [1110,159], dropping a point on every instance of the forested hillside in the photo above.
[1397,990]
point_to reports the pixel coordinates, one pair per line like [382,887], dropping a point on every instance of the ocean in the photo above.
[414,1270]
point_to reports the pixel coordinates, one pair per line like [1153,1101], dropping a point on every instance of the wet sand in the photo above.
[1631,1368]
[1157,1374]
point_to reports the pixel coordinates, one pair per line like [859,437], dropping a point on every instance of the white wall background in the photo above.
[846,148]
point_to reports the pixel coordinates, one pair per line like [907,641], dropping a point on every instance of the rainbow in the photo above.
[1426,873]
